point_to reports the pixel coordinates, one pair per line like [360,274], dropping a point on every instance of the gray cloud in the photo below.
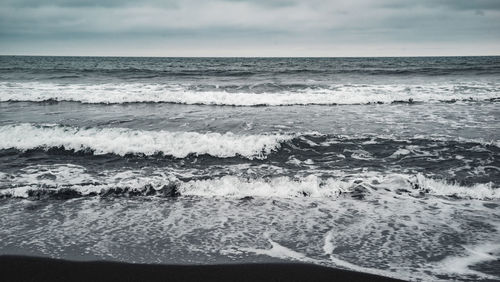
[467,4]
[310,26]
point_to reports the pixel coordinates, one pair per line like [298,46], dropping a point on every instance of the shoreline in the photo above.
[28,268]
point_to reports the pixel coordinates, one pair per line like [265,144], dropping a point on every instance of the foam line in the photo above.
[178,94]
[122,141]
[73,181]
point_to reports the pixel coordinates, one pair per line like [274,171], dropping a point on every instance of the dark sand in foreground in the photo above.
[19,268]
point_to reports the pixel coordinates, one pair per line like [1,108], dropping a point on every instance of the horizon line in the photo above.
[325,57]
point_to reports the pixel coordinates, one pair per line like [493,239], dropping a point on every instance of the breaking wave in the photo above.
[178,94]
[70,181]
[181,144]
[122,141]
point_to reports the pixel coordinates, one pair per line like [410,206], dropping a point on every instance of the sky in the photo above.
[324,28]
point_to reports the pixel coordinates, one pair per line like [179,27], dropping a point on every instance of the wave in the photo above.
[356,186]
[70,181]
[125,142]
[178,94]
[425,185]
[122,141]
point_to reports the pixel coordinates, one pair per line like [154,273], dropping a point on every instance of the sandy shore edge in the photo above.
[24,268]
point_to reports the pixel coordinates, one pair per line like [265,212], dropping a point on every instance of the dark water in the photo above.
[382,165]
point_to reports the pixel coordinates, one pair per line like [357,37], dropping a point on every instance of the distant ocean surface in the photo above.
[383,165]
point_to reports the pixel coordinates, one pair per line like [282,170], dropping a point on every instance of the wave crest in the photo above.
[70,181]
[122,141]
[178,94]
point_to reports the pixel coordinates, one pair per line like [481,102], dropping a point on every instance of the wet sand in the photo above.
[22,268]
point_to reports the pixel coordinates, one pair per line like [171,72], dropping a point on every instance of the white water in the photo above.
[122,141]
[473,256]
[52,178]
[161,93]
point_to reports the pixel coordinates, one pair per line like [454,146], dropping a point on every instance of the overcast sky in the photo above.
[250,28]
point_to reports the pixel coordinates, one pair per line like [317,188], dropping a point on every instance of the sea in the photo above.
[388,166]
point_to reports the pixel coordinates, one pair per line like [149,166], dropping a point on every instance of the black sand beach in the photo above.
[21,268]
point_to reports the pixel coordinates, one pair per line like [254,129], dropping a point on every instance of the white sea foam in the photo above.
[394,235]
[474,255]
[122,141]
[162,93]
[443,188]
[279,251]
[52,178]
[329,249]
[233,186]
[77,179]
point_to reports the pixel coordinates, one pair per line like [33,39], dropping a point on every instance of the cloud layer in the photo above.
[250,28]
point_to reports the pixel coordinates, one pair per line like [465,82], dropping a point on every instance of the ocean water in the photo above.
[382,165]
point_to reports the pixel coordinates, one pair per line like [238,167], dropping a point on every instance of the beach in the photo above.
[15,268]
[250,169]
